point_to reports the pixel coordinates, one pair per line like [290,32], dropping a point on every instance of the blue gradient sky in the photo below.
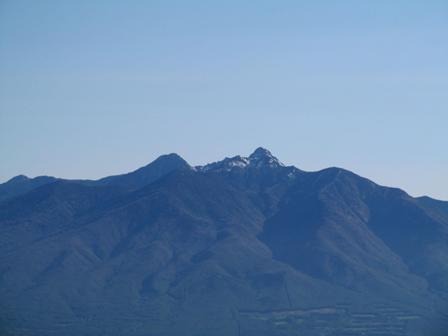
[92,88]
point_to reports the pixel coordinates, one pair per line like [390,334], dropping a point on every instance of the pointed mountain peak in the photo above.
[261,152]
[261,156]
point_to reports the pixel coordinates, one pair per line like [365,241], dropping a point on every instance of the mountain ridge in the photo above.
[225,164]
[253,249]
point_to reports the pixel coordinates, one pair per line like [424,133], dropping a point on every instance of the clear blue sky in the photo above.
[92,88]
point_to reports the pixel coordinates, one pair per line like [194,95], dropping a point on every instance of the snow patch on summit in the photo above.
[227,164]
[260,158]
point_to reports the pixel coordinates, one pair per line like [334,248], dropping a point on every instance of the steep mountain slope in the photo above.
[244,246]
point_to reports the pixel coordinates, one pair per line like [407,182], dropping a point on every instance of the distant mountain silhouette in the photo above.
[163,165]
[243,246]
[145,175]
[21,184]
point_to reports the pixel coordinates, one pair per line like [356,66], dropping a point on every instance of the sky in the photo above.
[94,88]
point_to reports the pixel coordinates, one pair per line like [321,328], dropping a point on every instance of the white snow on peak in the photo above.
[263,157]
[260,158]
[227,164]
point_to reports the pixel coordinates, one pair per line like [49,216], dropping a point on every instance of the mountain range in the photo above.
[243,246]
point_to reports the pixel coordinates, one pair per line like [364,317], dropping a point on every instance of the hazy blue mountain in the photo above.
[145,175]
[243,246]
[161,166]
[21,184]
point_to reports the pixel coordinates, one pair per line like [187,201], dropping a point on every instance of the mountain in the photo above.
[243,246]
[22,184]
[161,166]
[145,175]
